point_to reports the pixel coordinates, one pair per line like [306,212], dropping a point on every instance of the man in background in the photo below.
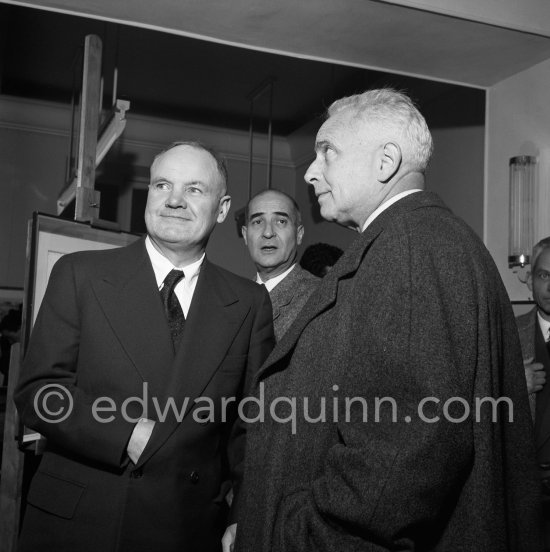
[534,335]
[132,355]
[273,233]
[414,314]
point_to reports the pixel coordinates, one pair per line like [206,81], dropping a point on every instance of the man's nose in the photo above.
[312,173]
[268,230]
[176,199]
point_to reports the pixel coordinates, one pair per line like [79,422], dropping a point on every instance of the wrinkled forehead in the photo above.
[271,203]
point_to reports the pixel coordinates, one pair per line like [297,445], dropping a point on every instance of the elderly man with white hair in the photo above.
[396,411]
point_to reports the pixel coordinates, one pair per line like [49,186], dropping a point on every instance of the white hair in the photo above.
[396,111]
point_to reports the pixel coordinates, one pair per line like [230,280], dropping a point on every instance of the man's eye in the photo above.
[255,221]
[194,190]
[544,275]
[161,186]
[282,222]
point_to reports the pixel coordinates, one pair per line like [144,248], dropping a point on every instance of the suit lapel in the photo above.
[214,319]
[129,297]
[527,325]
[282,294]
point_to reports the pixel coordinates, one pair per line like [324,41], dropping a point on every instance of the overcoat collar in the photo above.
[325,295]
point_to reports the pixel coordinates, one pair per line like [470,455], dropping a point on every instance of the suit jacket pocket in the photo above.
[55,495]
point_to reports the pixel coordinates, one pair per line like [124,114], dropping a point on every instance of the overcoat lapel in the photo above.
[213,321]
[325,295]
[129,297]
[320,300]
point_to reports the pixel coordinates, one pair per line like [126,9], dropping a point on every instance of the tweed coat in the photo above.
[289,296]
[414,312]
[102,332]
[532,346]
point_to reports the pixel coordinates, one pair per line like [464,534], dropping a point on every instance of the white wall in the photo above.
[455,172]
[518,123]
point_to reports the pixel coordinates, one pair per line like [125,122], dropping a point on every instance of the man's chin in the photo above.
[328,214]
[171,237]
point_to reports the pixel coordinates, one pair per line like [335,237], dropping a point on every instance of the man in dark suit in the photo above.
[128,384]
[534,335]
[377,437]
[273,233]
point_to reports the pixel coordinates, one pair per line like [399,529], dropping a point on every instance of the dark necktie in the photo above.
[172,307]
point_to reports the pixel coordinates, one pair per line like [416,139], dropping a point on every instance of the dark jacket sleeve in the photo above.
[47,395]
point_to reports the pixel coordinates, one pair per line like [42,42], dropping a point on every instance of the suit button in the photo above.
[136,474]
[194,477]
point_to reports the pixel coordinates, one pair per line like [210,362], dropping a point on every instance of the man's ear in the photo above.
[299,234]
[223,209]
[529,280]
[243,232]
[389,161]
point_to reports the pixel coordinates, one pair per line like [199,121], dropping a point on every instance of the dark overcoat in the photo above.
[102,333]
[400,343]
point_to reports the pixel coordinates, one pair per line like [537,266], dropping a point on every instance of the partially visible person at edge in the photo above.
[534,335]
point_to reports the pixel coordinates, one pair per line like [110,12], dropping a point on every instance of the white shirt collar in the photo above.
[272,282]
[386,204]
[544,326]
[162,266]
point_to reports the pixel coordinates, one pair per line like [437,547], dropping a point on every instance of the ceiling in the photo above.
[178,77]
[379,34]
